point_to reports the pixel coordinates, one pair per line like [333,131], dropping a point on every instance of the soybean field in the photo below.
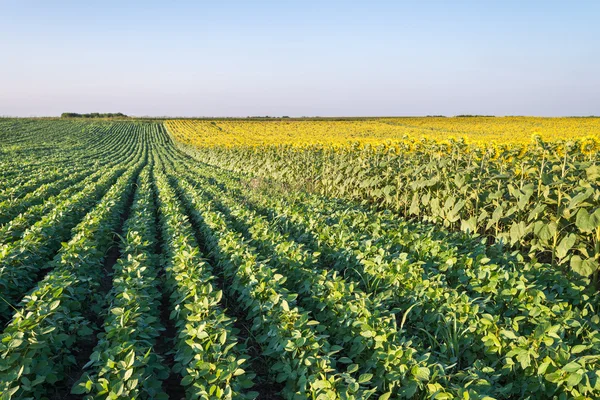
[368,259]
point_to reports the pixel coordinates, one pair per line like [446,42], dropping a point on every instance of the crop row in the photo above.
[225,285]
[68,178]
[303,357]
[15,228]
[22,261]
[74,147]
[124,363]
[528,320]
[542,199]
[39,345]
[207,354]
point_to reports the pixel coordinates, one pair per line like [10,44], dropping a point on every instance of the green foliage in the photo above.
[486,292]
[528,198]
[471,308]
[123,363]
[38,344]
[208,355]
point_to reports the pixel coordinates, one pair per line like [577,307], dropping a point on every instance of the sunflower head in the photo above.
[589,145]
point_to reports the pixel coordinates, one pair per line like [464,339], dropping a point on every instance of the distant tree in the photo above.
[93,115]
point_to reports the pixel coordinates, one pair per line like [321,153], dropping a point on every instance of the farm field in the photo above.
[422,258]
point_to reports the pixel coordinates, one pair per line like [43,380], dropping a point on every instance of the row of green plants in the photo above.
[354,318]
[124,363]
[16,227]
[208,355]
[303,358]
[372,346]
[67,179]
[27,136]
[527,317]
[18,192]
[542,199]
[39,346]
[45,146]
[22,261]
[342,300]
[12,207]
[52,144]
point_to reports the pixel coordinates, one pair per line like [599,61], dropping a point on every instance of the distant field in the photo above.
[423,258]
[475,130]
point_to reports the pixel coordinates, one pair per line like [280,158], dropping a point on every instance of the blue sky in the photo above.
[239,58]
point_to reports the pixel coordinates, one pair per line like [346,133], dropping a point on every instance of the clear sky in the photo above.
[239,58]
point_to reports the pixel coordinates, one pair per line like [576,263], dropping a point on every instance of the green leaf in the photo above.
[523,358]
[352,368]
[421,373]
[517,232]
[364,378]
[187,380]
[587,222]
[572,367]
[593,172]
[284,305]
[583,267]
[321,384]
[508,334]
[554,377]
[367,334]
[543,367]
[578,349]
[130,359]
[80,388]
[469,225]
[574,379]
[565,245]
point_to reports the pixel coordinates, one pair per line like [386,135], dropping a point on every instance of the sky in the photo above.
[300,58]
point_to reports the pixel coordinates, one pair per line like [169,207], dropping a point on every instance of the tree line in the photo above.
[93,115]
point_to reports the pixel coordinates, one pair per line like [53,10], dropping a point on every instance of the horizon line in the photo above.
[306,116]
